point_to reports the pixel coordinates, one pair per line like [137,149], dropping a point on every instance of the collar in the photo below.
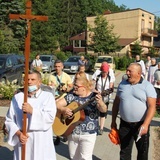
[140,81]
[36,95]
[153,65]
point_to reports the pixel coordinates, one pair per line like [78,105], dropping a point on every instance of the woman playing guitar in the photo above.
[79,111]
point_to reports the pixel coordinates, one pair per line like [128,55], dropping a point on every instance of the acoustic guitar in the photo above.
[63,126]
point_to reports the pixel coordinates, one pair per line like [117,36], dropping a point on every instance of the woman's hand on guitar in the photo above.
[98,98]
[67,112]
[100,104]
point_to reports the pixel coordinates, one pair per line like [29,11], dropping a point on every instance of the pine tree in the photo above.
[104,41]
[12,31]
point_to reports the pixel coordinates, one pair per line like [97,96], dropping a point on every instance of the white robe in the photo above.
[151,72]
[39,145]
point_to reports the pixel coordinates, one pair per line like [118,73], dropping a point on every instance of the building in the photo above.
[79,42]
[131,26]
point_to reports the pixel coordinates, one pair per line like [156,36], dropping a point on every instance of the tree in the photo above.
[13,31]
[136,49]
[157,23]
[104,41]
[66,18]
[152,51]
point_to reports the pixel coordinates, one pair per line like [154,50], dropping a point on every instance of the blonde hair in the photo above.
[80,74]
[85,82]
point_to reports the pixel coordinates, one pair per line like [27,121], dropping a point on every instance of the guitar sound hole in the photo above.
[69,120]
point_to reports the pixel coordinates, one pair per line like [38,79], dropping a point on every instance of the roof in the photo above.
[80,36]
[126,41]
[128,10]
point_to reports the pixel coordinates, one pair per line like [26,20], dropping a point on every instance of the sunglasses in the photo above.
[77,86]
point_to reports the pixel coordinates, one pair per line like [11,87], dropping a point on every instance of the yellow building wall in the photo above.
[129,24]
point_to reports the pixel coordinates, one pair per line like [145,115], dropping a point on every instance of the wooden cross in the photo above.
[27,17]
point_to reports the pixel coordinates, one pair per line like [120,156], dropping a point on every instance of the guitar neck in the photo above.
[106,92]
[83,105]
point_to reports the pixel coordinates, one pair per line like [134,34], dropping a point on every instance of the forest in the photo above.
[66,18]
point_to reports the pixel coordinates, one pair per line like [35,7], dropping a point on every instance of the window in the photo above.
[150,25]
[79,43]
[142,24]
[8,62]
[108,60]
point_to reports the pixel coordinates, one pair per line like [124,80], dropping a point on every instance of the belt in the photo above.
[132,123]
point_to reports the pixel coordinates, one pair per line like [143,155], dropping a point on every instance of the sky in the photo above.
[152,6]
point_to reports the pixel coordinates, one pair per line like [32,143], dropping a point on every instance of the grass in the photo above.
[157,113]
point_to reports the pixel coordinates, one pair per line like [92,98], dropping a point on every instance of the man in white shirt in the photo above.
[147,64]
[141,62]
[153,67]
[41,111]
[98,71]
[104,79]
[37,63]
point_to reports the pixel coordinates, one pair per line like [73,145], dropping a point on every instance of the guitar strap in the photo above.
[59,83]
[97,79]
[57,78]
[36,62]
[103,86]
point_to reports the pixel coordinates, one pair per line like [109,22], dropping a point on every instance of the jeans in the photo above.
[128,133]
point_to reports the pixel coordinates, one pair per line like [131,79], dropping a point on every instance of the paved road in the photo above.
[104,149]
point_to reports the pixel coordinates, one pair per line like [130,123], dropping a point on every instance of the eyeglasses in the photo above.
[76,86]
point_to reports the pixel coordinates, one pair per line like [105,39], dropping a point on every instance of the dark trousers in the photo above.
[128,133]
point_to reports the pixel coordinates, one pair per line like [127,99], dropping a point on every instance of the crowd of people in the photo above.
[80,104]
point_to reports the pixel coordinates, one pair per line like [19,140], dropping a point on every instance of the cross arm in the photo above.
[28,17]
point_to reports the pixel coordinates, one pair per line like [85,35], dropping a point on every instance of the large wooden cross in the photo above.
[28,17]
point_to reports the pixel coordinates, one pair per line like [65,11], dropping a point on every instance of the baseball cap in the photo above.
[104,67]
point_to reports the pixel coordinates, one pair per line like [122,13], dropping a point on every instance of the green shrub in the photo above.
[61,55]
[116,60]
[123,62]
[157,113]
[7,90]
[45,78]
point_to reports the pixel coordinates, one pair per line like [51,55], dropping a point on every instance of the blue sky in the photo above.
[152,6]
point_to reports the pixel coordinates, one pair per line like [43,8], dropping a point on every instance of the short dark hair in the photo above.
[58,61]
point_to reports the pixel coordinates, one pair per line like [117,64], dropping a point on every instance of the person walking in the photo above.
[147,64]
[37,63]
[141,62]
[41,110]
[157,84]
[103,81]
[153,67]
[62,83]
[60,80]
[82,139]
[135,101]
